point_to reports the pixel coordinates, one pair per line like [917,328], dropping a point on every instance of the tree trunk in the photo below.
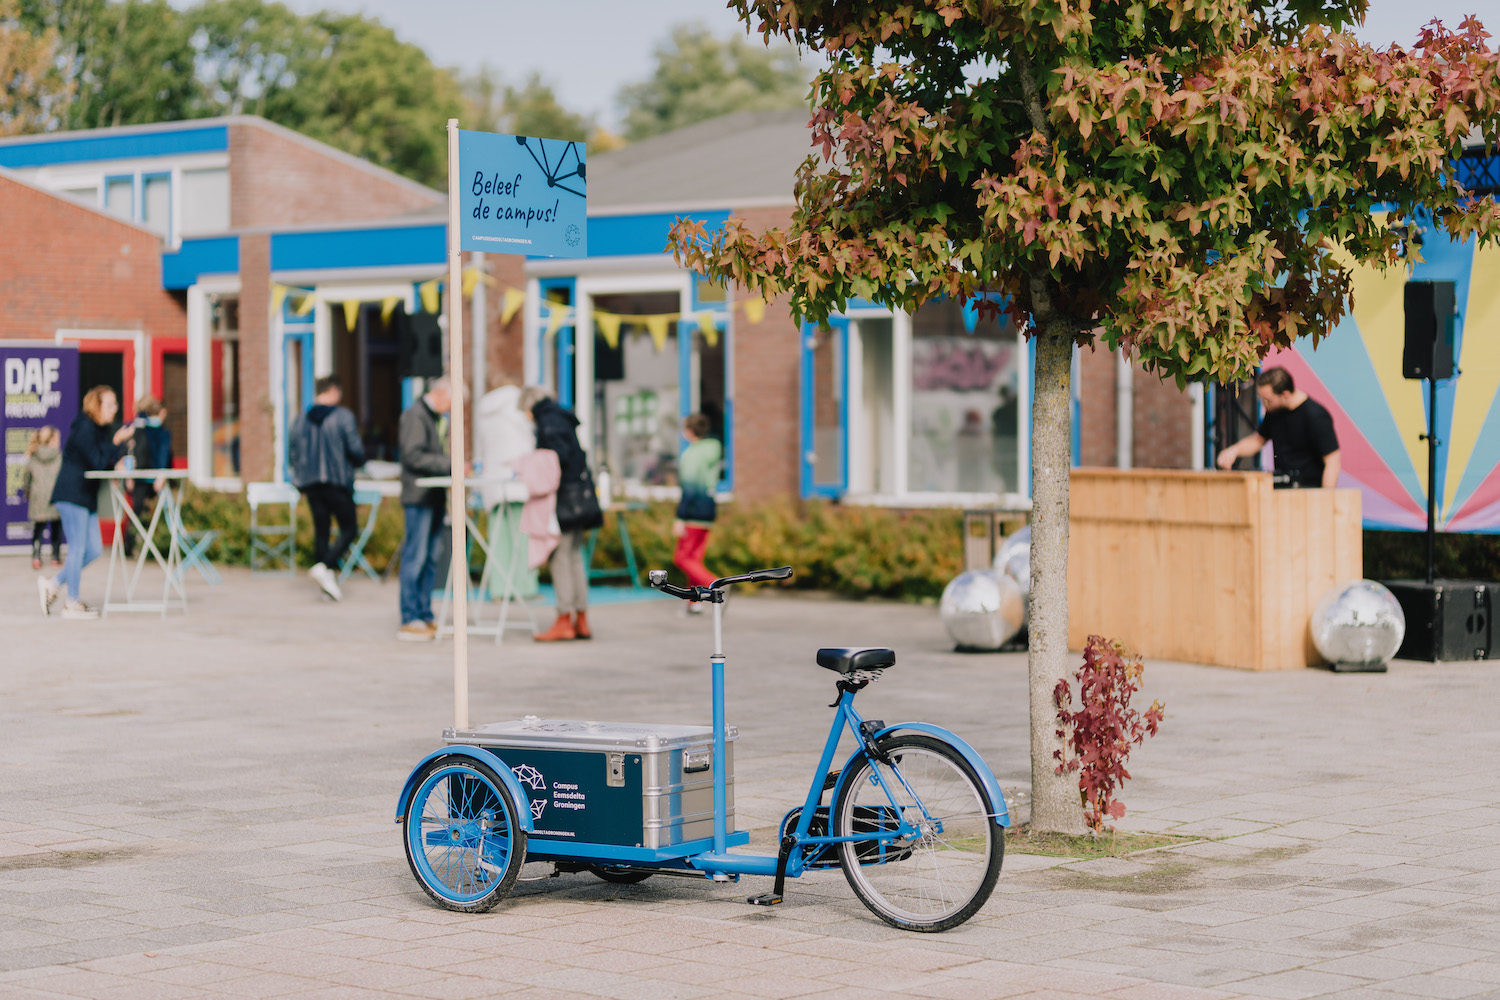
[1055,806]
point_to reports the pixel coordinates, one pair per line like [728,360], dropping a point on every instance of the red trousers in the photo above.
[689,556]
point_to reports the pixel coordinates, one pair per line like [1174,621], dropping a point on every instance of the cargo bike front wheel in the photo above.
[942,868]
[462,838]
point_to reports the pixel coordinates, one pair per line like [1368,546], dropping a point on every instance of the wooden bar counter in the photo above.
[1206,567]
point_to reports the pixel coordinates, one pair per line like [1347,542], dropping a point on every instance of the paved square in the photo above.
[202,807]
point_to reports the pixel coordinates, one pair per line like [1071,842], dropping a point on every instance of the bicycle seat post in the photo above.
[716,663]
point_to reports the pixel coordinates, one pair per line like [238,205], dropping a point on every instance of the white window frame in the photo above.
[72,176]
[585,288]
[200,383]
[901,374]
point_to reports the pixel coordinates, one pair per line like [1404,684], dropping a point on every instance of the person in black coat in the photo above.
[92,446]
[577,511]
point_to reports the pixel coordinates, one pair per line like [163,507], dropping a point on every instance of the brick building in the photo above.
[259,258]
[87,277]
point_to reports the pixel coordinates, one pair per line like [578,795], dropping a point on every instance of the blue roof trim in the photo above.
[214,139]
[619,235]
[213,255]
[343,248]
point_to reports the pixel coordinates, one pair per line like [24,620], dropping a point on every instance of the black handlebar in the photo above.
[713,593]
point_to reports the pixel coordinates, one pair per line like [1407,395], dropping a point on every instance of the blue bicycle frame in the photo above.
[721,861]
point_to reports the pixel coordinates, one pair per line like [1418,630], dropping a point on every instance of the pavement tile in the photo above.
[265,984]
[1447,987]
[1297,983]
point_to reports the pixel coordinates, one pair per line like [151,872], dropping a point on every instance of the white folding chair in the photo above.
[273,547]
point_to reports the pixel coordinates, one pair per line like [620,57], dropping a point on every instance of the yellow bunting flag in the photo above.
[351,314]
[558,316]
[306,305]
[709,328]
[657,327]
[609,327]
[755,310]
[472,277]
[512,304]
[278,296]
[388,306]
[429,290]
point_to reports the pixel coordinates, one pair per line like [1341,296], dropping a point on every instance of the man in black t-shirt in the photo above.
[1300,431]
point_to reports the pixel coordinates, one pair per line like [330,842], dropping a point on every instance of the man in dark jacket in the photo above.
[325,450]
[423,444]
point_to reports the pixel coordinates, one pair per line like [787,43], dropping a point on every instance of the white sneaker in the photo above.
[47,592]
[78,611]
[324,578]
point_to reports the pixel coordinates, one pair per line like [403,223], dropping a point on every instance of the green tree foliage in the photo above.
[1191,181]
[530,109]
[31,92]
[125,62]
[699,76]
[343,79]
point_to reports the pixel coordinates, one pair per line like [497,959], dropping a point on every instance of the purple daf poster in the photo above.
[41,388]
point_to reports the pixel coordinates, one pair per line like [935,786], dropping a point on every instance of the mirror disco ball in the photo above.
[981,609]
[1358,625]
[1013,559]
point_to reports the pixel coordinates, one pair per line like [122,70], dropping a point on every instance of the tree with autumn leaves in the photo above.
[1190,181]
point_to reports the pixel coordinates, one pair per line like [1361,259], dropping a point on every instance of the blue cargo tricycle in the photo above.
[914,817]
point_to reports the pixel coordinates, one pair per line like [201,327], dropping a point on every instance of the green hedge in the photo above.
[1402,555]
[853,551]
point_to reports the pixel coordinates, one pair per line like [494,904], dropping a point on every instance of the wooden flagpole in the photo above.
[458,563]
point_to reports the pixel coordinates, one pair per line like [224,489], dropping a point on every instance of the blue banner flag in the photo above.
[522,195]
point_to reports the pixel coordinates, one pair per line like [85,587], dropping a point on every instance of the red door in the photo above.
[169,384]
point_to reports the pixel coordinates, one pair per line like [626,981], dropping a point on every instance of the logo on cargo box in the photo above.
[532,778]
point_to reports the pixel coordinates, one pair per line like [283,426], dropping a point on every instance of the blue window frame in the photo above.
[296,372]
[563,358]
[824,458]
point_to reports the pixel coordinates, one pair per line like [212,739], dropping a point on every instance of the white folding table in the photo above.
[507,576]
[167,508]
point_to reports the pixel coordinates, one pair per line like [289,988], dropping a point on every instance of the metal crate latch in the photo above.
[616,778]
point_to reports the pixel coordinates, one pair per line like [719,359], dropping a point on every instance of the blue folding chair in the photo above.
[194,544]
[364,496]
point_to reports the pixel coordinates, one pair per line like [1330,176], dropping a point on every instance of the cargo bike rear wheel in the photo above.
[463,841]
[944,871]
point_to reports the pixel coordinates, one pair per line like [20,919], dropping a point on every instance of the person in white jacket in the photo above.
[503,434]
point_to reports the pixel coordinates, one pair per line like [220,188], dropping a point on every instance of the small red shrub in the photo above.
[1103,729]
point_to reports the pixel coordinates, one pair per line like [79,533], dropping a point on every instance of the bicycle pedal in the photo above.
[765,899]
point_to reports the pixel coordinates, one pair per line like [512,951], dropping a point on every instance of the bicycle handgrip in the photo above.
[755,576]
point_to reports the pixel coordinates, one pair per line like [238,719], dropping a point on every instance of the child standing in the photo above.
[43,459]
[698,474]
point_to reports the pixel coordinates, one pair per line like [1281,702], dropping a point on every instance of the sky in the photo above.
[588,48]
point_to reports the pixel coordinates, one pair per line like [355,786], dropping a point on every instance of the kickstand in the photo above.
[774,896]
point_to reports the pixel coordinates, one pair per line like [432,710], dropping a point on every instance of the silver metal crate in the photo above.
[629,784]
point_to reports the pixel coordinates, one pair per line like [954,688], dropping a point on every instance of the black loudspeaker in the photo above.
[1429,318]
[1447,619]
[419,345]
